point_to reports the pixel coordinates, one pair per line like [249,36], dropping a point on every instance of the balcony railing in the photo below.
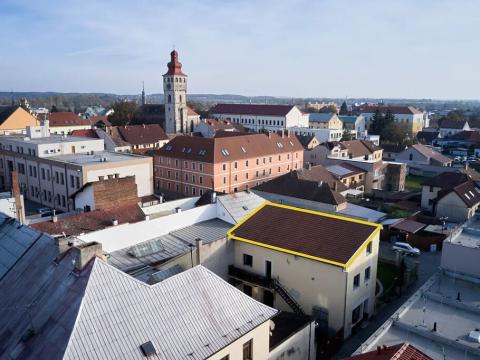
[250,277]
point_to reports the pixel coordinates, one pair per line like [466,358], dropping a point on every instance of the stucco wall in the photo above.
[297,346]
[458,258]
[452,206]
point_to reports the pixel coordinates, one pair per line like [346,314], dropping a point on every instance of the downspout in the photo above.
[309,339]
[345,302]
[66,187]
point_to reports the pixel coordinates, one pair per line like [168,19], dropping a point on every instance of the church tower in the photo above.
[175,97]
[144,99]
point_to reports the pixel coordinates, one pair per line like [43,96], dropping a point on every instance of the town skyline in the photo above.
[330,51]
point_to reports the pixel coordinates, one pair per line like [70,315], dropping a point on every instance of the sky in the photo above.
[294,48]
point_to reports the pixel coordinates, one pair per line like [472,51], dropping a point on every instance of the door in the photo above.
[268,269]
[73,149]
[268,298]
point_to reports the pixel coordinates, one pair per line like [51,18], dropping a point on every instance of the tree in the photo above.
[123,112]
[343,109]
[53,109]
[346,135]
[377,123]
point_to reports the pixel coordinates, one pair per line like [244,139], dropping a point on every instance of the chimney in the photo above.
[84,253]
[117,176]
[269,134]
[379,350]
[288,133]
[17,195]
[335,186]
[199,244]
[147,217]
[309,166]
[54,218]
[214,197]
[62,244]
[320,183]
[283,133]
[114,222]
[178,210]
[101,177]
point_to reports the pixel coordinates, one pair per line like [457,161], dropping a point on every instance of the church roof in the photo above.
[174,66]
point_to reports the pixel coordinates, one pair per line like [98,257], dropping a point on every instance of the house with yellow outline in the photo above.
[308,262]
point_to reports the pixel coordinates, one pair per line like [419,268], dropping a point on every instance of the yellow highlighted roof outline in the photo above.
[378,227]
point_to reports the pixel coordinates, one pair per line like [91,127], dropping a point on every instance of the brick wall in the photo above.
[115,192]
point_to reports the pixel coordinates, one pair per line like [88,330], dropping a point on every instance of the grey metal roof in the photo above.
[15,239]
[103,313]
[170,245]
[164,274]
[320,117]
[240,204]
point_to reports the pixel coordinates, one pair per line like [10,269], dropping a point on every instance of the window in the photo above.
[224,167]
[248,350]
[176,163]
[185,164]
[42,170]
[258,161]
[193,179]
[246,175]
[200,166]
[193,166]
[224,180]
[356,281]
[410,157]
[235,178]
[431,188]
[247,260]
[367,273]
[226,357]
[63,200]
[235,165]
[246,163]
[72,181]
[369,248]
[200,179]
[186,177]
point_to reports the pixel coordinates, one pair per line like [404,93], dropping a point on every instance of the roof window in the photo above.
[243,149]
[148,349]
[168,147]
[202,152]
[225,152]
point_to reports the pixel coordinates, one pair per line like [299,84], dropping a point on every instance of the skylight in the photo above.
[202,152]
[243,149]
[467,196]
[168,147]
[225,152]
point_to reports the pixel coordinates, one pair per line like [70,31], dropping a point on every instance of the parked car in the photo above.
[43,210]
[406,248]
[457,159]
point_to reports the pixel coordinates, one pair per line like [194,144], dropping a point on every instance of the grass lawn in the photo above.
[414,182]
[386,274]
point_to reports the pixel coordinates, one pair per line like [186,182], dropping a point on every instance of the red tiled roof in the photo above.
[360,147]
[468,192]
[191,112]
[219,149]
[404,110]
[91,221]
[66,118]
[252,109]
[323,236]
[142,134]
[402,351]
[174,66]
[89,133]
[471,136]
[220,124]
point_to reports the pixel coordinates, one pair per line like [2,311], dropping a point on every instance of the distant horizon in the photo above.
[8,93]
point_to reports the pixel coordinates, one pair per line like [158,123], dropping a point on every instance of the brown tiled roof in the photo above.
[468,192]
[393,148]
[324,237]
[431,154]
[174,66]
[452,124]
[142,134]
[66,118]
[221,149]
[191,112]
[408,225]
[91,221]
[252,109]
[291,185]
[360,147]
[404,110]
[447,180]
[90,133]
[319,174]
[402,351]
[353,170]
[220,124]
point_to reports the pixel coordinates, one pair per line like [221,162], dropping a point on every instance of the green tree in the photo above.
[377,123]
[343,109]
[123,112]
[346,135]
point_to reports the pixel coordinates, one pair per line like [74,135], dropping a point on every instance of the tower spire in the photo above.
[11,94]
[144,99]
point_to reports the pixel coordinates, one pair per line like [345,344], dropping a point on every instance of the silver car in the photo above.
[406,249]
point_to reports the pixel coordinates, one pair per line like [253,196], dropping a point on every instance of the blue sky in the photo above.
[323,48]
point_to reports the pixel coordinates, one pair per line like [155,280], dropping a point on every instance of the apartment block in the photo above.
[308,262]
[193,165]
[53,167]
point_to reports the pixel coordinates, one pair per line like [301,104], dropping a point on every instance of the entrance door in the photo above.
[268,269]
